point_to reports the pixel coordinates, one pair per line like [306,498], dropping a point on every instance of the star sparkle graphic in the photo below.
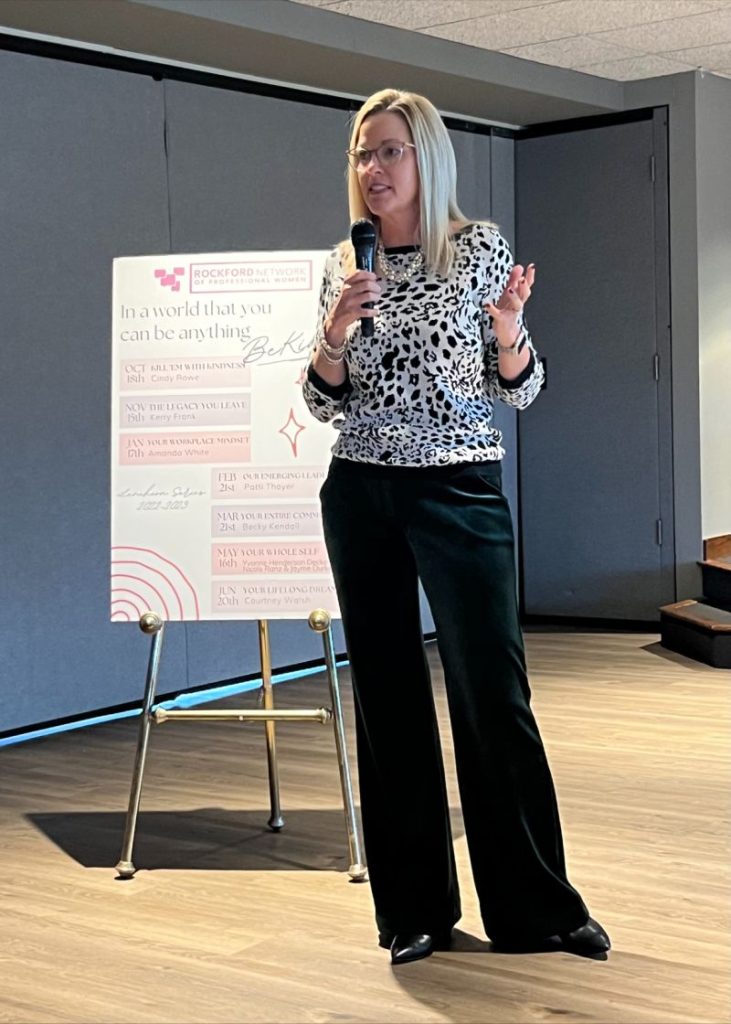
[292,430]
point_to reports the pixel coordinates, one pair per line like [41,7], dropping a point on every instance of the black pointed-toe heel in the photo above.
[590,940]
[406,947]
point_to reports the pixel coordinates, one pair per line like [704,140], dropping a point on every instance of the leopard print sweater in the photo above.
[420,392]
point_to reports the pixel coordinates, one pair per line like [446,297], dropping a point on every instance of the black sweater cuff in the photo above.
[512,385]
[335,391]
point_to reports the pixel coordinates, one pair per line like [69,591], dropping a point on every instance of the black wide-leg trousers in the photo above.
[450,526]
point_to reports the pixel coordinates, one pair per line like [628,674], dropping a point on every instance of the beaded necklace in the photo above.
[399,276]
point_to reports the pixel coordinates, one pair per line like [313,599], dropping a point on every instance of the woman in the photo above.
[413,492]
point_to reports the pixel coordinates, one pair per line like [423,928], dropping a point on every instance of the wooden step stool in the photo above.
[698,630]
[702,629]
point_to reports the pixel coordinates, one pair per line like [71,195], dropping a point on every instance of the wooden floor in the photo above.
[226,921]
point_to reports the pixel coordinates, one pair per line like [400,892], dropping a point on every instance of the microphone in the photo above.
[363,237]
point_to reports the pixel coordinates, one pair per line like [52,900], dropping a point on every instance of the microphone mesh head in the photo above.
[362,232]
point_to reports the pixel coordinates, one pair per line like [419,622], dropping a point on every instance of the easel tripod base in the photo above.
[319,620]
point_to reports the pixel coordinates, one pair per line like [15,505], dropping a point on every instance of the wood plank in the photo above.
[717,547]
[227,922]
[700,614]
[724,564]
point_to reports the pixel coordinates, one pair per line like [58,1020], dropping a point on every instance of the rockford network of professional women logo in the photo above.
[170,278]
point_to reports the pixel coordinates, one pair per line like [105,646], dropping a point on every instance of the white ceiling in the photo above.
[618,39]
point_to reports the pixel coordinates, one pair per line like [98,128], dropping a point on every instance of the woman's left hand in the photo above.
[506,311]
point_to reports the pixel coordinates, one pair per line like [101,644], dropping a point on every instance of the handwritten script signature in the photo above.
[263,350]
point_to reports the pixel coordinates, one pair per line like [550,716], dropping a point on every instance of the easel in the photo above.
[319,620]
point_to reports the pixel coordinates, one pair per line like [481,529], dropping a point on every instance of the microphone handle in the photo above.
[364,261]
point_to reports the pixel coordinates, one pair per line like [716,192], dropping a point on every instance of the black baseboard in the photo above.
[531,624]
[117,710]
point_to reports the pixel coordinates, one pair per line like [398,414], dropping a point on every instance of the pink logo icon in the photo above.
[170,280]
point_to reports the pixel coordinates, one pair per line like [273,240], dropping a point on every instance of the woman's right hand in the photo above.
[360,287]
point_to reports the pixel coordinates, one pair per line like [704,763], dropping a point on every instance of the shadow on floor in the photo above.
[679,659]
[210,839]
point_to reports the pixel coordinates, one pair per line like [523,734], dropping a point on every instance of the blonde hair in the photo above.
[439,213]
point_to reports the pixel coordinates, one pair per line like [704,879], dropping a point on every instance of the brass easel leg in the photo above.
[153,625]
[319,620]
[276,821]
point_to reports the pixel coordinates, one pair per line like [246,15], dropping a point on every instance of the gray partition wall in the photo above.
[252,172]
[82,180]
[597,517]
[97,163]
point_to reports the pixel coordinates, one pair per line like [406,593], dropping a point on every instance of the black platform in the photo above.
[717,581]
[698,630]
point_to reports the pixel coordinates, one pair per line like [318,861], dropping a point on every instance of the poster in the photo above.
[216,461]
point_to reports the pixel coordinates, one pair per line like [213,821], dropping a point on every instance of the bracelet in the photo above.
[335,353]
[336,360]
[514,349]
[330,353]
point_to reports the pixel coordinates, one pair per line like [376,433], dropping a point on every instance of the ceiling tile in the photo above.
[570,53]
[618,39]
[499,31]
[645,66]
[711,57]
[680,33]
[415,14]
[583,17]
[558,20]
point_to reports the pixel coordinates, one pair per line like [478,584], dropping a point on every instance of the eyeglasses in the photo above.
[387,154]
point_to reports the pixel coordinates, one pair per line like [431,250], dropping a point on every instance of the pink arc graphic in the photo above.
[144,580]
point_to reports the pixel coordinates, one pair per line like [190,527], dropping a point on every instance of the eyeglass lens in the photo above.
[387,153]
